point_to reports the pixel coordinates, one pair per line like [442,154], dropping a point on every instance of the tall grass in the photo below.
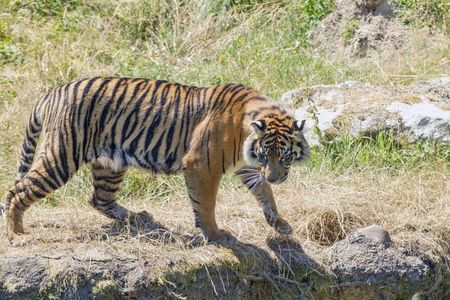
[430,13]
[194,42]
[366,154]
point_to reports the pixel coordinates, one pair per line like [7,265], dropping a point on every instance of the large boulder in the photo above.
[418,111]
[369,267]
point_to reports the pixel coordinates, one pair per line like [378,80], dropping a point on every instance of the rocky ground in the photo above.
[369,29]
[365,265]
[418,111]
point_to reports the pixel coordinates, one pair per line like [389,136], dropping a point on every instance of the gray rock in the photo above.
[377,234]
[368,4]
[29,273]
[243,271]
[419,111]
[367,268]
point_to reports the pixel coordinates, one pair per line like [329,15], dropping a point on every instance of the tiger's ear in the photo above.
[259,127]
[298,126]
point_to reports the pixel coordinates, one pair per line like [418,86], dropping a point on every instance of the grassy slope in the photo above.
[347,185]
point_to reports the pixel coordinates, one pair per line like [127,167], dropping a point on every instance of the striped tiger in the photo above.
[115,123]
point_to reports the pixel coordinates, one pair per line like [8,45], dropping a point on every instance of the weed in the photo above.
[426,13]
[350,29]
[384,151]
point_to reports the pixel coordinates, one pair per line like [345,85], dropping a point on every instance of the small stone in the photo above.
[368,4]
[377,234]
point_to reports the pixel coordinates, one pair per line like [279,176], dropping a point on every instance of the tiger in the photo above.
[113,123]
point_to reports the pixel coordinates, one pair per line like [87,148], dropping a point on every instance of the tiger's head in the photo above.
[274,145]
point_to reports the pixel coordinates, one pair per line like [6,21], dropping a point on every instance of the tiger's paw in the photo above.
[23,239]
[14,226]
[16,233]
[223,237]
[282,226]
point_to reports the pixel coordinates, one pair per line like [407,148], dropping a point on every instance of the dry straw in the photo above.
[198,45]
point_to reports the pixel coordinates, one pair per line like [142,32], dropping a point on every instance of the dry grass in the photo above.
[414,208]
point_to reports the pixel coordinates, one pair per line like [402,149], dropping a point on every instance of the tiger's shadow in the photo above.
[151,232]
[288,251]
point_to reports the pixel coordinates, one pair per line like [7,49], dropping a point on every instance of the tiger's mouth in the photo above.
[277,181]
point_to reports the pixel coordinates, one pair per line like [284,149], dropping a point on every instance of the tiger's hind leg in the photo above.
[103,197]
[44,177]
[262,191]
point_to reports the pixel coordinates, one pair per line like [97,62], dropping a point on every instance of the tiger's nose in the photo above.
[272,179]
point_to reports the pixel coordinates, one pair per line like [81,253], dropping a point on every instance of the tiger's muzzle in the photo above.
[274,173]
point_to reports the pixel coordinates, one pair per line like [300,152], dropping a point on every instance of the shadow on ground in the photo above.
[186,267]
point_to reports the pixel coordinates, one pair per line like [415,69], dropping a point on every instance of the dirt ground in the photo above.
[355,31]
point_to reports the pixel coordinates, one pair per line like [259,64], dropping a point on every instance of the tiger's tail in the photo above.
[30,141]
[28,151]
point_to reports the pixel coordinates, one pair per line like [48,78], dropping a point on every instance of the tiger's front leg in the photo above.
[263,193]
[202,188]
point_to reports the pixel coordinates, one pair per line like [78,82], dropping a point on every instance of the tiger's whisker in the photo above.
[253,180]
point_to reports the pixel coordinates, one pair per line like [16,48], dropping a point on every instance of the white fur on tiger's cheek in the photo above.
[250,159]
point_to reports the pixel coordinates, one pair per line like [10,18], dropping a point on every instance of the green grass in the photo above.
[430,13]
[259,43]
[264,44]
[364,155]
[350,29]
